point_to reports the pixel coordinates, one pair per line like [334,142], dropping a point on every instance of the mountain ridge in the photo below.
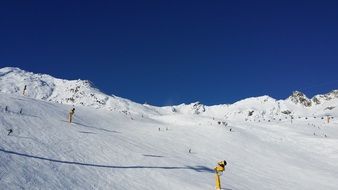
[84,93]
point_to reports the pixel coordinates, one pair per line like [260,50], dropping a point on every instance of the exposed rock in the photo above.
[198,108]
[287,112]
[300,98]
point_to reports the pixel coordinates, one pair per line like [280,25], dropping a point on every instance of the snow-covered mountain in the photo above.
[114,143]
[82,92]
[71,92]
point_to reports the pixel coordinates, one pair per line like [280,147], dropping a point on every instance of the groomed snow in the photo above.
[111,150]
[115,143]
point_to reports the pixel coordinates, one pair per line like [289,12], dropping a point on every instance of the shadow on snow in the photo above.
[153,156]
[195,168]
[86,132]
[101,129]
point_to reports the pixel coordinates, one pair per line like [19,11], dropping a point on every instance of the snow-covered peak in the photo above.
[254,100]
[73,92]
[318,99]
[12,69]
[42,86]
[300,98]
[82,92]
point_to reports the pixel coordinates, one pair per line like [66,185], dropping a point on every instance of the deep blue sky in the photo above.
[170,52]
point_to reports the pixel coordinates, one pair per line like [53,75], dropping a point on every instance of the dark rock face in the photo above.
[198,108]
[300,98]
[287,112]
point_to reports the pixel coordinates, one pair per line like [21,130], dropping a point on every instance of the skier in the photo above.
[24,90]
[20,111]
[9,131]
[71,113]
[189,150]
[6,108]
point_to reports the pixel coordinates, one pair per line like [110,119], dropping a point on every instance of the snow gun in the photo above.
[219,171]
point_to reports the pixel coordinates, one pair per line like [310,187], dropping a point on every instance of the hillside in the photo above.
[82,93]
[145,147]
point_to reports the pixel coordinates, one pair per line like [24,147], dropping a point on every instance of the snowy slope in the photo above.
[109,150]
[120,144]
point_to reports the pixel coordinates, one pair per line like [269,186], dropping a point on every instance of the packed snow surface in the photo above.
[114,143]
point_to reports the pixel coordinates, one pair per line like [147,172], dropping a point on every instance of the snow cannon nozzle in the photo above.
[222,163]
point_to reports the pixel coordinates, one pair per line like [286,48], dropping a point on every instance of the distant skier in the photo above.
[189,150]
[20,111]
[9,131]
[6,108]
[71,113]
[24,90]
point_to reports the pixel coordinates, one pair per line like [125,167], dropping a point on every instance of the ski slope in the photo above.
[110,149]
[115,143]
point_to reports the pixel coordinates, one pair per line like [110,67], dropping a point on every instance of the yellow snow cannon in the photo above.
[219,169]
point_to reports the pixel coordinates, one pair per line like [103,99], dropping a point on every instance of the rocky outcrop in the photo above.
[300,98]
